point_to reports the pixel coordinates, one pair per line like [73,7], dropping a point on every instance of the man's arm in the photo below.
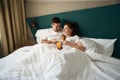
[45,41]
[49,41]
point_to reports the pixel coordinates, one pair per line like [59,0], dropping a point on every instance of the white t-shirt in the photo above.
[73,39]
[53,35]
[48,34]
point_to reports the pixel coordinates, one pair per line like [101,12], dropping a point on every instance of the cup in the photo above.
[59,45]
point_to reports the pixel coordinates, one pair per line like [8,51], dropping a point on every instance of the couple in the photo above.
[70,31]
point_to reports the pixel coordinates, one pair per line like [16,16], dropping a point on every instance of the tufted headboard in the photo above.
[100,22]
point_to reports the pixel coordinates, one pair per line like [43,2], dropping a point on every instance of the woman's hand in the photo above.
[67,43]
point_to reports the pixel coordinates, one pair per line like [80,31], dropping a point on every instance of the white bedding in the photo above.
[45,62]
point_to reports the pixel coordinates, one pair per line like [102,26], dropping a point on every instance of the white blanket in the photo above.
[45,62]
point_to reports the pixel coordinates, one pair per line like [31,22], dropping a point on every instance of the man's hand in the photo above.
[54,41]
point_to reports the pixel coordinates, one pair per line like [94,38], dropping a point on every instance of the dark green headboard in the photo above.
[100,22]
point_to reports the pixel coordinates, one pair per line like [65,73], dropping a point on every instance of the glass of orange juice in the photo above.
[59,45]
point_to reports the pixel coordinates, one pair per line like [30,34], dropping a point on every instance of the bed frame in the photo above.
[100,22]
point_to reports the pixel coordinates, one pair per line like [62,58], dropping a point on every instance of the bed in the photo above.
[46,62]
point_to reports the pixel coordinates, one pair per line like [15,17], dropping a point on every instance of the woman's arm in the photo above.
[77,45]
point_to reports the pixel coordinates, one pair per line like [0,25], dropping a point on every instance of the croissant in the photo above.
[63,37]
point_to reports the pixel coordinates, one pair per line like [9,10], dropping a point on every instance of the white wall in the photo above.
[40,8]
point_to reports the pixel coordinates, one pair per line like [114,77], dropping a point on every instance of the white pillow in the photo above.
[104,46]
[89,45]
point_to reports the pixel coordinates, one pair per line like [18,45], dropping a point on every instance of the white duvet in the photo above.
[45,62]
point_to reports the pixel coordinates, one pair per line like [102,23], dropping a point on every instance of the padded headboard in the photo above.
[100,22]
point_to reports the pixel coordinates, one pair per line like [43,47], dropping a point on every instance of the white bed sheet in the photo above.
[45,62]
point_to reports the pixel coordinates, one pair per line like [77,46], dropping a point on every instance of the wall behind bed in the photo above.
[100,22]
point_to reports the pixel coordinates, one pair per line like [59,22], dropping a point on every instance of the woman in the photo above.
[71,31]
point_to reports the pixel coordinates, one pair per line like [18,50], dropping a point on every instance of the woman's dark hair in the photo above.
[73,26]
[56,20]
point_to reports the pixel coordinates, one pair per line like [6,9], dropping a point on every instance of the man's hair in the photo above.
[56,20]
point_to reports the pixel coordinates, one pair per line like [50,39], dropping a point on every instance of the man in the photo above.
[54,33]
